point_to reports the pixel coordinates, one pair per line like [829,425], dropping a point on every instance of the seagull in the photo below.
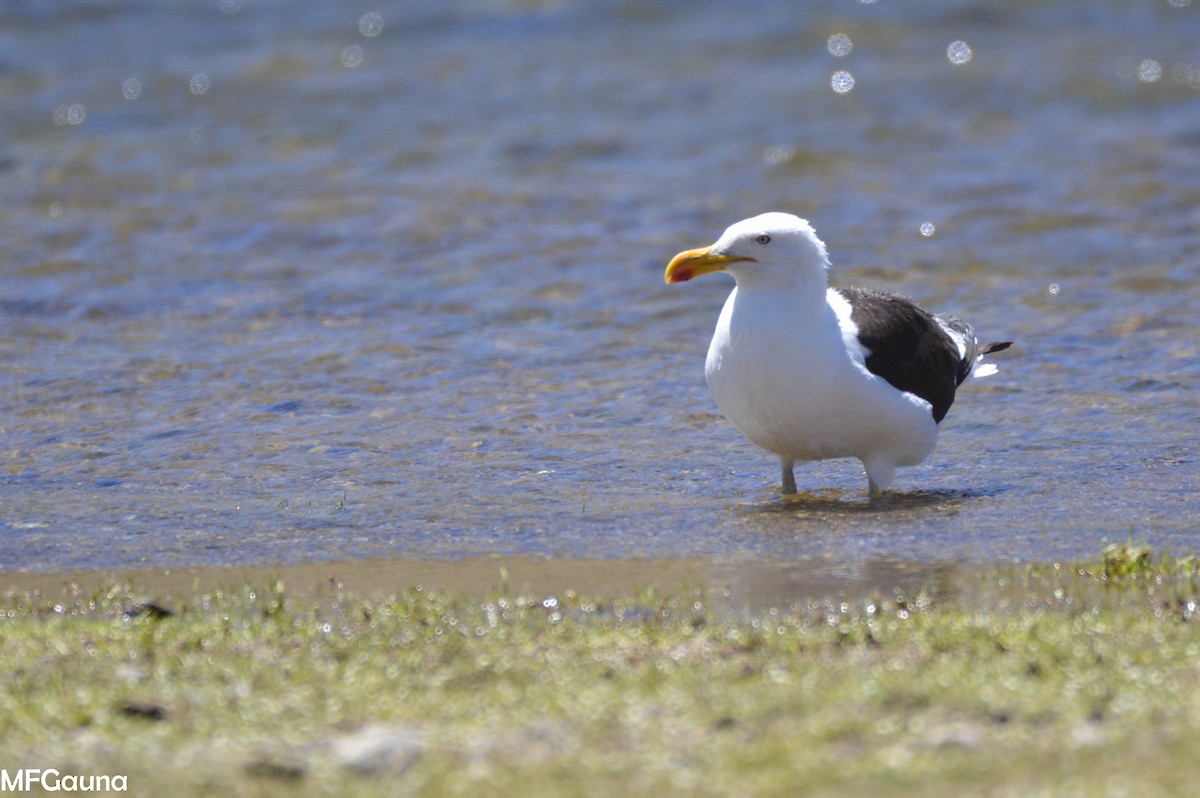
[810,372]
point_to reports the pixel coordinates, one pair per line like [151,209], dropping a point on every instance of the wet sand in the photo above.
[735,585]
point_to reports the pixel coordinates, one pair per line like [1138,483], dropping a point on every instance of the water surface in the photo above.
[273,290]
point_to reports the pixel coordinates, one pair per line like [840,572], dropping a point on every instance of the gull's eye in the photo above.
[763,239]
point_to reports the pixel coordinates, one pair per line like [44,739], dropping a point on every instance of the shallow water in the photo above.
[299,301]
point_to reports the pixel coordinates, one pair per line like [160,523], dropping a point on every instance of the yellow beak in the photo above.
[696,262]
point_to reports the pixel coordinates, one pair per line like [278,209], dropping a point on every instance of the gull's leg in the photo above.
[789,479]
[879,477]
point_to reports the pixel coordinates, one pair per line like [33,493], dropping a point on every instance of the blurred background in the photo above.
[288,280]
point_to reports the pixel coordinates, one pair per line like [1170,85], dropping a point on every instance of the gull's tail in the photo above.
[982,369]
[970,351]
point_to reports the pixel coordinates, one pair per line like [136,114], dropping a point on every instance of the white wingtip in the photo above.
[984,370]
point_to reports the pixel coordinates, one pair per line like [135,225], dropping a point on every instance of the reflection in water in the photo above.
[832,508]
[833,503]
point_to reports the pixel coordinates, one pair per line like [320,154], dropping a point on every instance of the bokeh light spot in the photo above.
[1188,74]
[839,45]
[959,52]
[352,56]
[778,154]
[370,24]
[842,81]
[1149,71]
[199,83]
[73,114]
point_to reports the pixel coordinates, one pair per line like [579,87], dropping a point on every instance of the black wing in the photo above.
[909,348]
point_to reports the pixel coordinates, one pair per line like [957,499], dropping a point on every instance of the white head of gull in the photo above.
[810,372]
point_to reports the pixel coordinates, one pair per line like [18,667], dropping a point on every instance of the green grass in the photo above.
[1052,680]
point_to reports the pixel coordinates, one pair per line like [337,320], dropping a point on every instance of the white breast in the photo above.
[794,382]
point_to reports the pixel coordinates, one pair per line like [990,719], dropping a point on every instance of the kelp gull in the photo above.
[810,372]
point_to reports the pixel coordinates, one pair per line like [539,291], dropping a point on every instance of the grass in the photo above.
[1052,680]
